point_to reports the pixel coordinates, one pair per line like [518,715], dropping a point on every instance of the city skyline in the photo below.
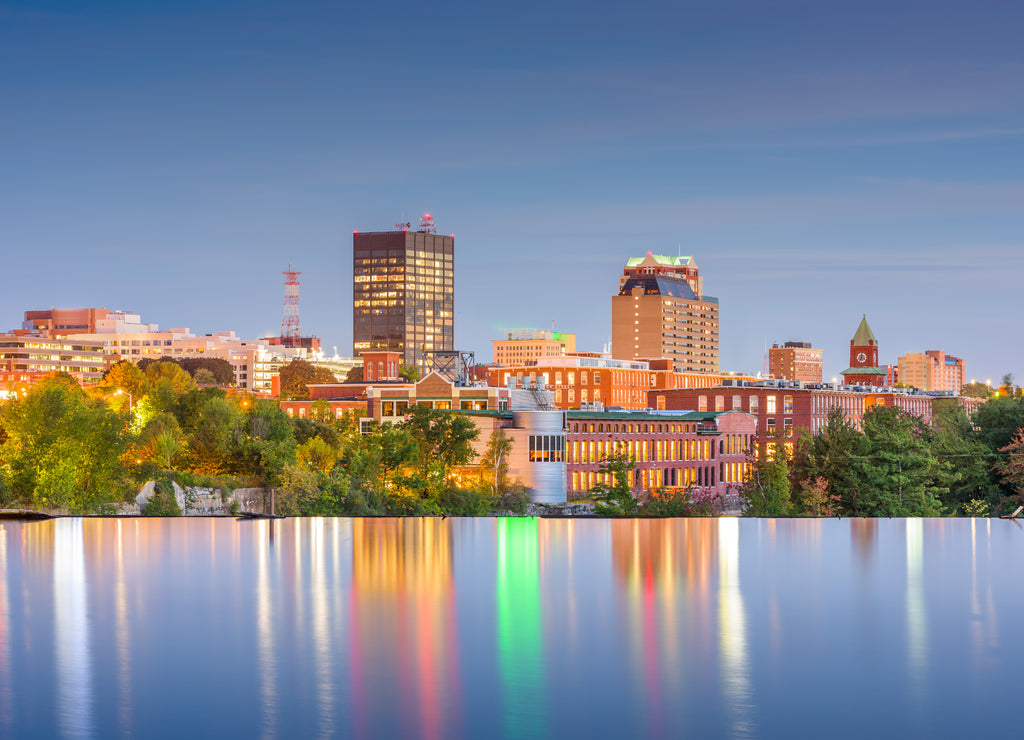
[819,163]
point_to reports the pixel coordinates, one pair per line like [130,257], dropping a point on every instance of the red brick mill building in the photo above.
[707,450]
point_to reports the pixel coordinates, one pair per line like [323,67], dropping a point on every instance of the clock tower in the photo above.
[864,369]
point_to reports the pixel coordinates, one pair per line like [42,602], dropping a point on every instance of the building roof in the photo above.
[865,371]
[663,285]
[864,336]
[660,259]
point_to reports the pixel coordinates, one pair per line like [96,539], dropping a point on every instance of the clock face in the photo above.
[861,357]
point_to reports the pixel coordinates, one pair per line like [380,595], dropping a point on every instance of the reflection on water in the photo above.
[732,627]
[520,643]
[74,674]
[917,619]
[527,627]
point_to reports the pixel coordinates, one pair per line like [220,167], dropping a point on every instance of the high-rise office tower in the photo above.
[403,293]
[661,312]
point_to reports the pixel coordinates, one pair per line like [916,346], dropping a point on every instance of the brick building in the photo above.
[707,450]
[582,379]
[661,311]
[864,368]
[795,361]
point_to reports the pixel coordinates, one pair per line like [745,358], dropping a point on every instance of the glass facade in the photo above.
[403,296]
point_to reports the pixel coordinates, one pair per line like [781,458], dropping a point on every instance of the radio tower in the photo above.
[290,332]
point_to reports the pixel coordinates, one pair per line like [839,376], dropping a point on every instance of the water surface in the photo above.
[453,628]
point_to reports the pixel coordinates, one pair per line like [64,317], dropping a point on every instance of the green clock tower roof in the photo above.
[864,336]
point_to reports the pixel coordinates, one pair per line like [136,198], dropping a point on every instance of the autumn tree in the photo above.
[296,377]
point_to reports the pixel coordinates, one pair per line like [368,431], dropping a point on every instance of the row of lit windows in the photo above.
[651,478]
[547,448]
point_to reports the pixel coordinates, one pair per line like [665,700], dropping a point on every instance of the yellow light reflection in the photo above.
[917,619]
[74,664]
[732,628]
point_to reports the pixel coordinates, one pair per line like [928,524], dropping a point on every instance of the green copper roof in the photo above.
[864,336]
[660,259]
[865,371]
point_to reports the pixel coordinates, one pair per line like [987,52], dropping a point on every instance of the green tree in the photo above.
[900,472]
[495,460]
[836,455]
[268,443]
[613,494]
[355,375]
[296,377]
[410,372]
[215,430]
[62,449]
[976,390]
[444,441]
[161,439]
[963,462]
[766,490]
[998,420]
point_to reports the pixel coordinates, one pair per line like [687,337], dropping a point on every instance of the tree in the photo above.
[355,375]
[765,491]
[126,377]
[495,459]
[62,449]
[444,440]
[816,501]
[613,494]
[410,372]
[998,420]
[963,461]
[213,434]
[1012,468]
[161,439]
[836,455]
[316,455]
[900,473]
[976,390]
[268,443]
[296,377]
[202,376]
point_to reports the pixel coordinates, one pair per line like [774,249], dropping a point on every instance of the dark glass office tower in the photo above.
[403,296]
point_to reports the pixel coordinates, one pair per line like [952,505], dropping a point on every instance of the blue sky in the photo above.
[819,160]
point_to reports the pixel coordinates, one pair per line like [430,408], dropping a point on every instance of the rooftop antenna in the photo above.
[427,224]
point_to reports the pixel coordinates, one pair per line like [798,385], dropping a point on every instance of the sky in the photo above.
[819,159]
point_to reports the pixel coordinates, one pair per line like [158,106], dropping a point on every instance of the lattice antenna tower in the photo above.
[290,321]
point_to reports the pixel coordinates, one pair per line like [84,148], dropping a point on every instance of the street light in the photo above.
[121,392]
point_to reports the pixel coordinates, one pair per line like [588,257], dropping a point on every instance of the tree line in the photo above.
[895,465]
[65,448]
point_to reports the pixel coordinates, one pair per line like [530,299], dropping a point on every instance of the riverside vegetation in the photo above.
[67,449]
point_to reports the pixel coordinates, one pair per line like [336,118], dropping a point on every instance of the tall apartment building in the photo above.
[795,361]
[932,370]
[403,293]
[661,312]
[524,346]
